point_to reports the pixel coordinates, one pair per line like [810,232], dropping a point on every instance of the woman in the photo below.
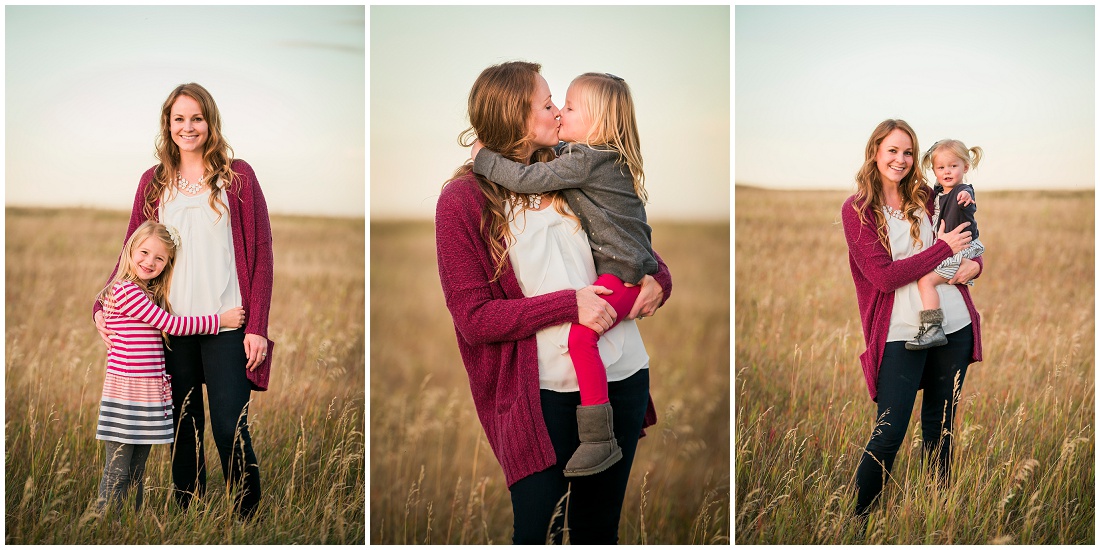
[224,261]
[890,246]
[495,250]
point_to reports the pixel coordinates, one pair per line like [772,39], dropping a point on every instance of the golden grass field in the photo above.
[307,430]
[1024,464]
[433,476]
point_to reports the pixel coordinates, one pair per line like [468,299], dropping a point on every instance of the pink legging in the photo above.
[591,373]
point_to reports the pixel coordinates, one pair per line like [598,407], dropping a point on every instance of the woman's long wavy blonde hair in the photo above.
[607,99]
[217,154]
[912,188]
[499,107]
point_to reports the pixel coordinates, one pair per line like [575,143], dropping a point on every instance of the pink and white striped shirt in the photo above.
[136,345]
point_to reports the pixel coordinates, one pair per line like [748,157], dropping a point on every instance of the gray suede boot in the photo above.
[599,449]
[931,331]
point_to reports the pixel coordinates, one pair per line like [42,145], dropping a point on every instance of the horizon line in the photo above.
[986,189]
[10,206]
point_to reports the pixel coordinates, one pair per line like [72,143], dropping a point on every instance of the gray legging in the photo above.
[125,469]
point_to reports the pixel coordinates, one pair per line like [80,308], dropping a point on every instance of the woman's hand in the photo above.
[649,299]
[968,269]
[255,348]
[234,318]
[475,148]
[592,311]
[957,239]
[101,326]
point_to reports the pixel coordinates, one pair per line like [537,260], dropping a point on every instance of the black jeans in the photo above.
[596,501]
[218,360]
[901,372]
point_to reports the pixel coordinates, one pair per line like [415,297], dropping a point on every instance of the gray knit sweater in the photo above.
[600,191]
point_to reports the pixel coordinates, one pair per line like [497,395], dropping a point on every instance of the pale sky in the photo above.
[84,87]
[812,82]
[423,60]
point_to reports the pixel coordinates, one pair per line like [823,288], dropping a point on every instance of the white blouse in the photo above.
[552,253]
[905,317]
[204,280]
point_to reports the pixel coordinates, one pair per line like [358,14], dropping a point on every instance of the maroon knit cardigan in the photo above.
[251,229]
[496,325]
[877,276]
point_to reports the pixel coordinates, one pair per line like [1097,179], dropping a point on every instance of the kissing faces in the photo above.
[543,124]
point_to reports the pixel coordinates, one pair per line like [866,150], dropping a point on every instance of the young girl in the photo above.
[599,172]
[136,409]
[950,160]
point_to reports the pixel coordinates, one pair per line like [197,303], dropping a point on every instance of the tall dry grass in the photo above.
[1024,463]
[307,429]
[433,476]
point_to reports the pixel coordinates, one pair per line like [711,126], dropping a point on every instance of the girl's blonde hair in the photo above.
[608,101]
[971,157]
[912,188]
[499,107]
[217,155]
[156,288]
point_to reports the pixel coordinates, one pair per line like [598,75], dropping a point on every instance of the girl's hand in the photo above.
[965,199]
[234,318]
[649,299]
[255,348]
[475,148]
[968,269]
[101,326]
[957,239]
[592,311]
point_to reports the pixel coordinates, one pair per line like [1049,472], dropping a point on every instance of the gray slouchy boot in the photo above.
[931,331]
[599,449]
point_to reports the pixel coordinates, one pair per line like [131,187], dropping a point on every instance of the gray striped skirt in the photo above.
[135,410]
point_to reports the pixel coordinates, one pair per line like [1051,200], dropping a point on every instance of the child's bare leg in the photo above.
[929,297]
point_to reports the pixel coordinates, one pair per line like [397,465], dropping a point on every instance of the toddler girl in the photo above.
[599,172]
[950,160]
[136,409]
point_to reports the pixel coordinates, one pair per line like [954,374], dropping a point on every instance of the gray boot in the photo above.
[599,449]
[931,331]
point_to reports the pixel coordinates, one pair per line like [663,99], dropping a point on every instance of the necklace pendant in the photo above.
[184,185]
[529,201]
